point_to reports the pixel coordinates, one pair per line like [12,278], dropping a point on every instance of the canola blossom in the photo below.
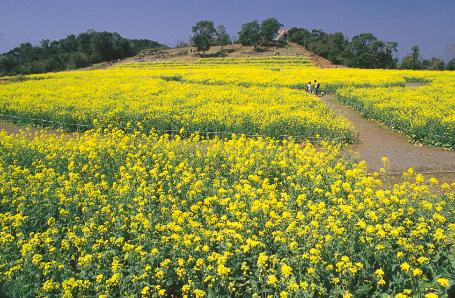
[425,113]
[110,214]
[278,75]
[125,98]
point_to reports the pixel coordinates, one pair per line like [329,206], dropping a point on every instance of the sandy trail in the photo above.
[377,140]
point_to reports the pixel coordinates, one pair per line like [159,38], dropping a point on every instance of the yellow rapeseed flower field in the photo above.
[149,202]
[425,113]
[127,98]
[109,213]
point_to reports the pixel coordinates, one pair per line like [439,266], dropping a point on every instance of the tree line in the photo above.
[362,51]
[71,52]
[251,34]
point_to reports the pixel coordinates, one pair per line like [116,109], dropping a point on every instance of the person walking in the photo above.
[308,87]
[316,87]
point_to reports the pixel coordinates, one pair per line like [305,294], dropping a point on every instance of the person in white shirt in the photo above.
[308,87]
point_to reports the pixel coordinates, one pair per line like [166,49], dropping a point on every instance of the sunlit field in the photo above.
[220,178]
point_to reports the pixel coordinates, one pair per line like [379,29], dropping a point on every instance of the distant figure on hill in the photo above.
[316,87]
[308,87]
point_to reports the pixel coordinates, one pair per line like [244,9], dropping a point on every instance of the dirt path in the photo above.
[376,141]
[12,128]
[315,59]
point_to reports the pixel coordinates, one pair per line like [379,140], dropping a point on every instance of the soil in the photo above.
[315,59]
[12,128]
[376,140]
[232,51]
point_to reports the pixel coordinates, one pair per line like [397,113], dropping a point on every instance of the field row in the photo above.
[285,60]
[115,214]
[425,113]
[241,98]
[262,75]
[127,99]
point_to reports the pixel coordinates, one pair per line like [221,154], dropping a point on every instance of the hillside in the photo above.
[230,51]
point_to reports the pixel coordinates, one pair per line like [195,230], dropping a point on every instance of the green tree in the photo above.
[337,45]
[433,64]
[367,51]
[412,61]
[364,50]
[269,30]
[203,35]
[250,34]
[70,52]
[222,38]
[451,65]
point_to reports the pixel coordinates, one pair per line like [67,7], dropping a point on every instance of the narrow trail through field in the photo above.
[377,140]
[12,128]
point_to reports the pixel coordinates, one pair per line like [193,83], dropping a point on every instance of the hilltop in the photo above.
[230,51]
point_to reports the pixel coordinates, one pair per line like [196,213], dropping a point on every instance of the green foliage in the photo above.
[175,78]
[203,35]
[250,34]
[222,38]
[451,65]
[412,61]
[71,52]
[433,64]
[269,30]
[363,51]
[367,51]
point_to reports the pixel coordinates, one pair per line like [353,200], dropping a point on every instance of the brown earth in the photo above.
[231,51]
[315,59]
[12,128]
[376,140]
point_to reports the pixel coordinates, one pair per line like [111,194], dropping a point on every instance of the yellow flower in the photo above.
[161,292]
[199,293]
[417,272]
[99,277]
[422,260]
[443,282]
[379,272]
[262,259]
[50,285]
[272,280]
[286,270]
[405,266]
[145,290]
